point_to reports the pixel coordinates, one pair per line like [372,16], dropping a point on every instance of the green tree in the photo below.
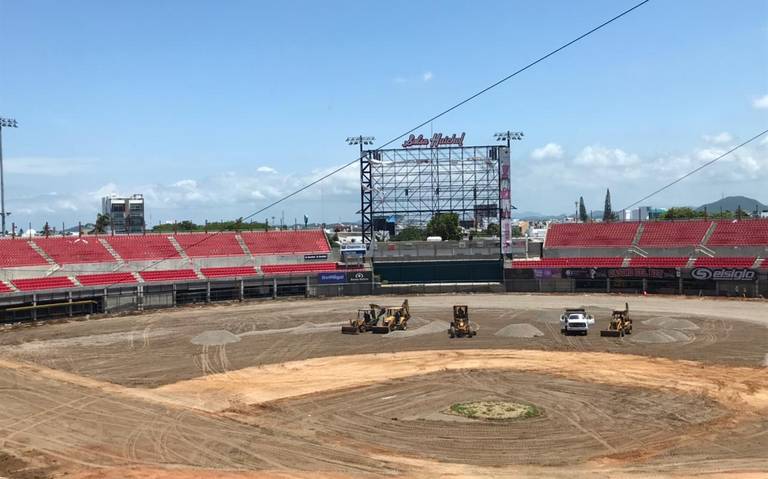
[493,230]
[582,210]
[680,213]
[410,233]
[607,211]
[102,222]
[444,225]
[722,215]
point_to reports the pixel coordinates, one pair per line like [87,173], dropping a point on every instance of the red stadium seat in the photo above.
[673,233]
[604,262]
[286,242]
[4,288]
[73,250]
[17,252]
[106,279]
[143,247]
[202,245]
[229,272]
[590,235]
[36,284]
[671,262]
[740,233]
[169,275]
[720,262]
[297,268]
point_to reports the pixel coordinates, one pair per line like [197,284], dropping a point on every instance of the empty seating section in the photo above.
[745,233]
[169,275]
[4,288]
[72,250]
[285,242]
[17,252]
[672,262]
[590,235]
[569,263]
[35,284]
[736,262]
[297,268]
[143,247]
[229,272]
[672,234]
[201,245]
[106,279]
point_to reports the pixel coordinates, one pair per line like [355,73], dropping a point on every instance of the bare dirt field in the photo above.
[272,389]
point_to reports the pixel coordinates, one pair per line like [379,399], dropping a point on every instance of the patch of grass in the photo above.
[494,410]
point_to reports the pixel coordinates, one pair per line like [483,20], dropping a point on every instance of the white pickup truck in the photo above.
[576,321]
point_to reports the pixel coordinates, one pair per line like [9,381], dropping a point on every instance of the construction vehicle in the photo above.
[576,321]
[365,320]
[461,326]
[395,318]
[620,324]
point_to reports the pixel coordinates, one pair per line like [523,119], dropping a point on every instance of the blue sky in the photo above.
[214,109]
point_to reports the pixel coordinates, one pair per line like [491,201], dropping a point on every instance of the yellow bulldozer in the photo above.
[395,318]
[461,325]
[620,324]
[365,320]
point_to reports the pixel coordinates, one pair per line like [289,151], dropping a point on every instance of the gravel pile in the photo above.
[215,338]
[430,328]
[522,330]
[671,323]
[660,336]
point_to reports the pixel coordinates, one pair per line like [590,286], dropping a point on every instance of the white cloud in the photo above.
[550,150]
[718,139]
[761,103]
[47,166]
[601,157]
[426,76]
[399,80]
[266,169]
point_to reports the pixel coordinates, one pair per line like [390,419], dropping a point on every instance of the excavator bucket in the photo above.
[380,330]
[349,330]
[610,333]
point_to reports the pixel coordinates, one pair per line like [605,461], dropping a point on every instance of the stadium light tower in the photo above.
[508,136]
[360,140]
[4,123]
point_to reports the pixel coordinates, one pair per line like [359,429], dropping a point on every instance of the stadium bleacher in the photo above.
[723,262]
[37,284]
[169,275]
[673,233]
[202,245]
[17,252]
[740,233]
[4,288]
[600,262]
[590,235]
[297,268]
[286,242]
[655,262]
[143,247]
[106,279]
[229,272]
[73,250]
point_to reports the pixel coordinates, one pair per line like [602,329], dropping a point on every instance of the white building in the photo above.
[126,214]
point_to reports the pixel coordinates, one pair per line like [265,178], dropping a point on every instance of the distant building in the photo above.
[126,214]
[643,213]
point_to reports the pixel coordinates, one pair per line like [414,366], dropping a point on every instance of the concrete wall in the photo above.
[398,250]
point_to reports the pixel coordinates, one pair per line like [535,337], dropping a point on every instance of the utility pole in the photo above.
[4,123]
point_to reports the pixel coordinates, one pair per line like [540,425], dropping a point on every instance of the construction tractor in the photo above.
[365,320]
[620,324]
[395,317]
[461,326]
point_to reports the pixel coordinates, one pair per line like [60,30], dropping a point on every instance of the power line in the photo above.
[435,117]
[696,170]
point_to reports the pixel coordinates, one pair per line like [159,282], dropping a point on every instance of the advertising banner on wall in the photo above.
[723,274]
[360,277]
[505,202]
[331,278]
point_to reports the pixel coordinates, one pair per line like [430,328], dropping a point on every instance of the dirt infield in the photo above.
[273,389]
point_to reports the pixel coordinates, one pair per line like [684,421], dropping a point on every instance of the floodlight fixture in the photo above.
[8,123]
[4,123]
